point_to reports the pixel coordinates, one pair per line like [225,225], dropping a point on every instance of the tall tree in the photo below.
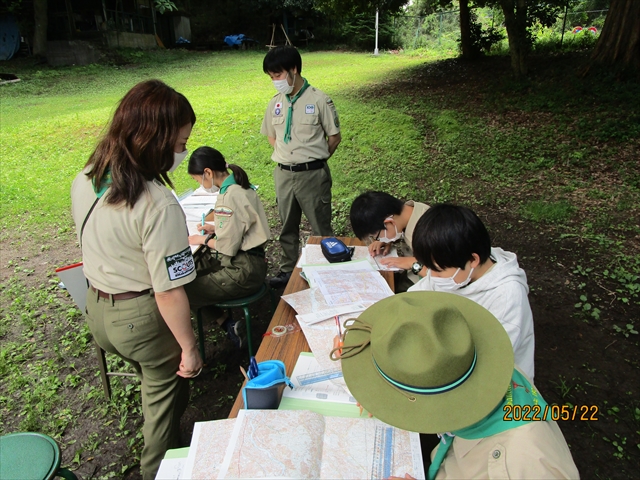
[619,42]
[465,30]
[40,28]
[515,19]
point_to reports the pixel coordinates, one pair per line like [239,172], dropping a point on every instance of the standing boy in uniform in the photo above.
[302,126]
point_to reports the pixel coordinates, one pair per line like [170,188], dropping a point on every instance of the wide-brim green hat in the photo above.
[427,362]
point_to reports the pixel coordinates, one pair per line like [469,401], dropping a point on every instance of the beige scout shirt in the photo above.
[536,450]
[131,250]
[314,118]
[240,221]
[418,211]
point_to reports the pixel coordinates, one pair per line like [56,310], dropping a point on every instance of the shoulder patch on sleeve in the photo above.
[180,264]
[223,211]
[222,216]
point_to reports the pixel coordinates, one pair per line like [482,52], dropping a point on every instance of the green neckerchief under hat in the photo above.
[287,127]
[520,392]
[231,180]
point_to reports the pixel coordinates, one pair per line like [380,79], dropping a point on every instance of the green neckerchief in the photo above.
[105,183]
[287,127]
[231,180]
[520,392]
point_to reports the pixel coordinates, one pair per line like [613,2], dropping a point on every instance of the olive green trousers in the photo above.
[307,192]
[222,278]
[135,330]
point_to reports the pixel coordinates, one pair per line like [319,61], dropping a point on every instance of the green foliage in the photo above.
[164,5]
[483,38]
[544,211]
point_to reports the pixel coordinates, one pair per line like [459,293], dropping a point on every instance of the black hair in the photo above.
[370,209]
[207,157]
[282,58]
[447,235]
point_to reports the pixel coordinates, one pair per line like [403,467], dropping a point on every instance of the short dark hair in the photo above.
[447,235]
[369,210]
[282,58]
[208,157]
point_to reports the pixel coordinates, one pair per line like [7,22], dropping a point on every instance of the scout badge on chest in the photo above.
[264,379]
[335,250]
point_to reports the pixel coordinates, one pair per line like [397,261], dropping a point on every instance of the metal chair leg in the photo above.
[102,364]
[200,332]
[247,317]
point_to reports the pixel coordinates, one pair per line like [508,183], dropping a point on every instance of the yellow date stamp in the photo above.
[536,413]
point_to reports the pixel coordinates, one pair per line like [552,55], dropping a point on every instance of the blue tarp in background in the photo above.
[9,37]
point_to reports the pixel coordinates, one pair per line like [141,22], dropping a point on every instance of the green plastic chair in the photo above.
[243,303]
[31,456]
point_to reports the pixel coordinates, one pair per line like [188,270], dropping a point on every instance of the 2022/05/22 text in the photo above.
[535,413]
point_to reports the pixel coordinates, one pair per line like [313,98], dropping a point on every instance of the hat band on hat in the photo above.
[432,390]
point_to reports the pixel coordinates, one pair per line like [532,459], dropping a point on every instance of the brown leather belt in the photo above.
[120,296]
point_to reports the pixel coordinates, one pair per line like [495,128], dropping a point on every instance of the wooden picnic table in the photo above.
[288,347]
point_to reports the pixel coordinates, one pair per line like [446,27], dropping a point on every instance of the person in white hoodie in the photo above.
[454,245]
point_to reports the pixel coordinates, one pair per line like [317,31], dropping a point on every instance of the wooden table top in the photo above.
[288,347]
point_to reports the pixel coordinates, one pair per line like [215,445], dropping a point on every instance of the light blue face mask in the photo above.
[448,284]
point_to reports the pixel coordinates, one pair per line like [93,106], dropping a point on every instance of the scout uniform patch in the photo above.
[223,214]
[310,109]
[336,120]
[180,264]
[277,111]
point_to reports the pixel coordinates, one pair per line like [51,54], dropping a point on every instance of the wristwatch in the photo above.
[207,238]
[416,268]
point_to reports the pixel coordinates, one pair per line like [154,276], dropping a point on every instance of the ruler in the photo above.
[317,377]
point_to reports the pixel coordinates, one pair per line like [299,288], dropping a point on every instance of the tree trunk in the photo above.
[465,30]
[619,42]
[40,29]
[515,19]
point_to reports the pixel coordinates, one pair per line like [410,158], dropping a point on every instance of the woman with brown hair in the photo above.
[136,256]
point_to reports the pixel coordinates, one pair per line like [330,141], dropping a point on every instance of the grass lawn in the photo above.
[550,164]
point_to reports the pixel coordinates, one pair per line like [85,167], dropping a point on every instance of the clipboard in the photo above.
[72,276]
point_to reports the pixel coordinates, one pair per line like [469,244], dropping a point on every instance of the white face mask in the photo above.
[212,188]
[177,159]
[397,237]
[448,284]
[283,86]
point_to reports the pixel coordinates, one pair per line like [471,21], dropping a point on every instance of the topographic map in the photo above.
[303,444]
[312,255]
[208,447]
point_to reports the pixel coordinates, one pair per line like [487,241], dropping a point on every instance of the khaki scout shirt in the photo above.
[535,450]
[418,211]
[131,250]
[240,221]
[407,250]
[314,118]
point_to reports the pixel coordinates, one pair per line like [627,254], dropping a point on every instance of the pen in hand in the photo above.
[340,344]
[202,232]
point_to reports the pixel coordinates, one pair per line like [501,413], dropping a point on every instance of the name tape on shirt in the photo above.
[310,109]
[180,264]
